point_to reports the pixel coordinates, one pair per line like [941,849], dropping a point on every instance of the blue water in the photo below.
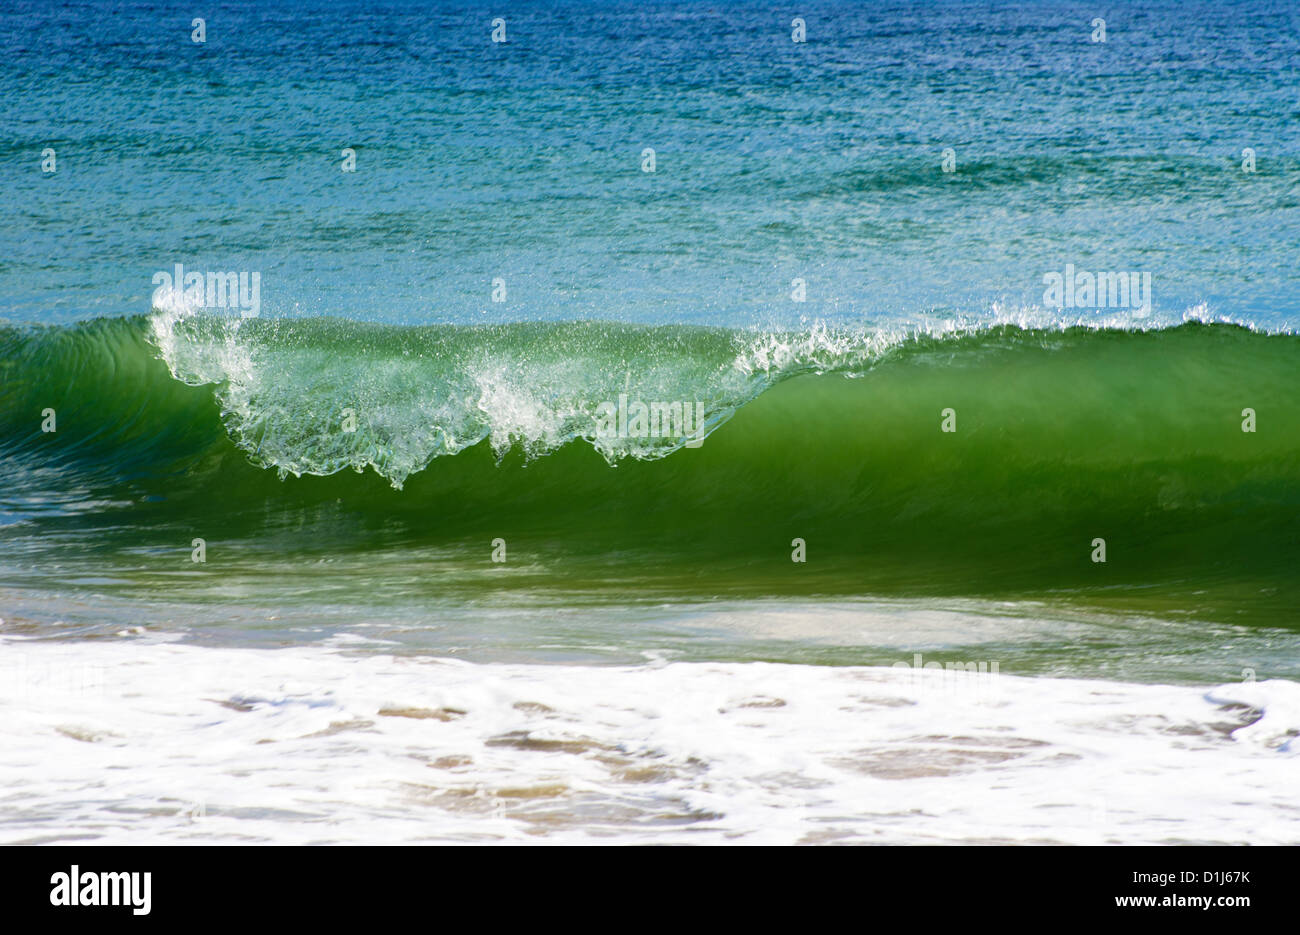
[774,160]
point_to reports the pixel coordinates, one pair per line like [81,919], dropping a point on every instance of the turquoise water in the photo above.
[417,441]
[774,160]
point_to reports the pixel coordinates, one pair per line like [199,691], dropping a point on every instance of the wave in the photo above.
[317,396]
[1061,436]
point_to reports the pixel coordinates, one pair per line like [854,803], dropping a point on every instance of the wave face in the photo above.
[1061,437]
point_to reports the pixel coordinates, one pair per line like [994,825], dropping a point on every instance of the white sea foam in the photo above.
[171,742]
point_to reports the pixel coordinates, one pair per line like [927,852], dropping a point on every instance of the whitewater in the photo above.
[174,743]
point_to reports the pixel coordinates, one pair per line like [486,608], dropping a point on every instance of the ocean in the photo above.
[605,422]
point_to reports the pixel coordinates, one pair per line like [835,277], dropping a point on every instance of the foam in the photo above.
[166,742]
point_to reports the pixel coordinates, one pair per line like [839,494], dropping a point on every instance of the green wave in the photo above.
[1062,437]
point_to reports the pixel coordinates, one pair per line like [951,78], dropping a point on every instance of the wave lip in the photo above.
[318,396]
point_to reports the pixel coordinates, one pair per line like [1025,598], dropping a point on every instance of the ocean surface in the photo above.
[603,434]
